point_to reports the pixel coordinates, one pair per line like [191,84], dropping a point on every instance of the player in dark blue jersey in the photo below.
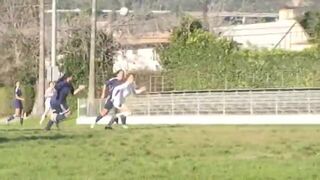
[17,104]
[108,88]
[59,106]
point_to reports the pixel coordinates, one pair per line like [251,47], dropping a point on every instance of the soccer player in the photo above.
[48,95]
[60,109]
[17,104]
[108,87]
[119,95]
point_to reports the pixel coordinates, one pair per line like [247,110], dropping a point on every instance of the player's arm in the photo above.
[80,88]
[19,97]
[105,91]
[140,90]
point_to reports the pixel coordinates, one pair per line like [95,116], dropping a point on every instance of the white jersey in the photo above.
[120,93]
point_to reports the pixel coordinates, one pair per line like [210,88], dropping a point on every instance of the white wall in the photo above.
[139,59]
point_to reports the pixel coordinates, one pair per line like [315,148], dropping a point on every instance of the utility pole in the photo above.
[91,93]
[38,107]
[53,38]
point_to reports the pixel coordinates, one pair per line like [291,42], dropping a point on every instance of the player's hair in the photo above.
[15,86]
[131,74]
[64,77]
[117,72]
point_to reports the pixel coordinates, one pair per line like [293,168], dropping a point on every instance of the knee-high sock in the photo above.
[12,117]
[60,117]
[113,118]
[123,119]
[21,120]
[99,118]
[50,123]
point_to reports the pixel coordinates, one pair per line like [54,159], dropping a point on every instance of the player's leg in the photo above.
[21,116]
[113,119]
[107,107]
[124,112]
[54,112]
[46,111]
[12,117]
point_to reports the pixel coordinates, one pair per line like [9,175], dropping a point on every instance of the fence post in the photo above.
[309,105]
[276,107]
[224,104]
[198,104]
[148,109]
[172,104]
[251,105]
[150,83]
[162,83]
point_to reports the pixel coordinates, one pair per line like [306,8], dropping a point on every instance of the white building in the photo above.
[286,33]
[137,59]
[139,52]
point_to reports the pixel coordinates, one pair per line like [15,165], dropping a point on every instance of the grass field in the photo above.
[159,152]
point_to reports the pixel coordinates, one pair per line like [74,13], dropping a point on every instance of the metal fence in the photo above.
[240,102]
[167,83]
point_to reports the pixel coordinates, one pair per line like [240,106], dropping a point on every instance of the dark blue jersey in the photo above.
[111,84]
[63,89]
[18,92]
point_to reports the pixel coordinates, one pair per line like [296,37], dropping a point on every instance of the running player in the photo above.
[48,95]
[119,95]
[60,109]
[17,104]
[108,87]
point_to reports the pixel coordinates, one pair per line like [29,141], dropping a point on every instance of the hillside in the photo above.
[188,5]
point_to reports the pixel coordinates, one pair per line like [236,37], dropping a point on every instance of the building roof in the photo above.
[285,34]
[145,39]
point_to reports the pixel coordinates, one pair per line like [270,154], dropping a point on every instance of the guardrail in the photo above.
[244,102]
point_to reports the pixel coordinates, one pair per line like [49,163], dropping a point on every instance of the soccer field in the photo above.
[159,152]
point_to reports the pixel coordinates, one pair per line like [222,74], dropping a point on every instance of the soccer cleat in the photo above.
[92,125]
[108,128]
[116,120]
[21,121]
[125,127]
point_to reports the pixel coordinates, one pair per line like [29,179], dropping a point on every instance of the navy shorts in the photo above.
[56,108]
[18,104]
[108,105]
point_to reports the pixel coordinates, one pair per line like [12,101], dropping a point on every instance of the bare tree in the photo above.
[18,20]
[38,105]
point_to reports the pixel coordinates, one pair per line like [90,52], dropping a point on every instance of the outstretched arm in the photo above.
[103,95]
[140,90]
[80,88]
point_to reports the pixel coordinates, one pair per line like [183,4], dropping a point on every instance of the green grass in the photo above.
[160,152]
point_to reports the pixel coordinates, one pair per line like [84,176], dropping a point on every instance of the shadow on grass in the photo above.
[151,127]
[22,130]
[34,138]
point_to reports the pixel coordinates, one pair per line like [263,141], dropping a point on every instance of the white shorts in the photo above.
[47,103]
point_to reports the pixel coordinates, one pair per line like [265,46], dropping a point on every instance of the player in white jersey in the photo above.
[48,94]
[119,95]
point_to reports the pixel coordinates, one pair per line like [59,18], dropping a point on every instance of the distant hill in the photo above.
[188,5]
